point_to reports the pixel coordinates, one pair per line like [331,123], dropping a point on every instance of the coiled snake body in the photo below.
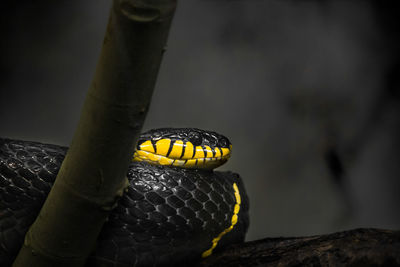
[169,214]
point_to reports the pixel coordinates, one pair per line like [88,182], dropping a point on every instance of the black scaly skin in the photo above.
[167,216]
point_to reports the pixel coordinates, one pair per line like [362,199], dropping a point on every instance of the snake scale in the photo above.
[176,209]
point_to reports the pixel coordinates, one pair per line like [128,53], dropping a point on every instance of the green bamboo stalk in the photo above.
[93,174]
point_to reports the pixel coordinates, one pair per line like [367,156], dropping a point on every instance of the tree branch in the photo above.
[92,176]
[359,247]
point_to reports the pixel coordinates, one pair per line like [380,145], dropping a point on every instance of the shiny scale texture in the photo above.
[168,215]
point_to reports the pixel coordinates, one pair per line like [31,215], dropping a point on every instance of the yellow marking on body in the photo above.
[208,151]
[147,146]
[162,146]
[217,152]
[234,219]
[225,151]
[236,209]
[176,151]
[237,195]
[199,153]
[188,151]
[142,154]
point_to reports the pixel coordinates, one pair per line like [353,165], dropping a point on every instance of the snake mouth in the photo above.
[182,154]
[200,163]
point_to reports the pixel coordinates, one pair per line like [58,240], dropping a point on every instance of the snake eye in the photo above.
[223,142]
[195,138]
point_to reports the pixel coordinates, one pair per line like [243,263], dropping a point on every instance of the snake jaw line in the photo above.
[201,163]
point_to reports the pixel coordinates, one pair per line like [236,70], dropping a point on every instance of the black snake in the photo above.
[169,214]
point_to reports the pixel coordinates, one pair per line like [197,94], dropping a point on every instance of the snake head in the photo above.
[183,147]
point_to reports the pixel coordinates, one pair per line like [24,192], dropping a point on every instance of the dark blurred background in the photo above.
[307,91]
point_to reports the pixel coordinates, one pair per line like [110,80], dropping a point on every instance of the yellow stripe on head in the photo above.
[200,162]
[147,146]
[209,152]
[188,151]
[225,151]
[199,153]
[179,162]
[165,161]
[153,157]
[217,152]
[162,147]
[176,148]
[190,163]
[176,151]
